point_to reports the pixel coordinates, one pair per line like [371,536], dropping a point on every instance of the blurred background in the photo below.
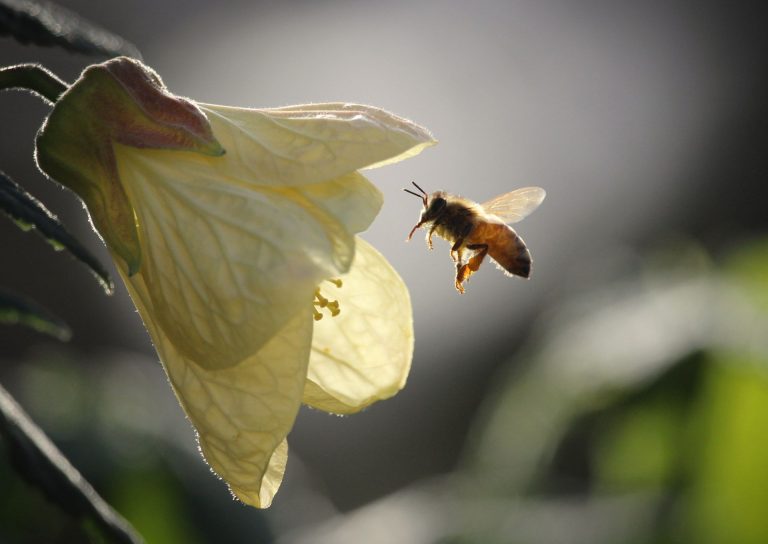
[619,396]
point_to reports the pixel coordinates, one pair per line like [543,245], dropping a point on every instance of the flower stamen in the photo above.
[320,302]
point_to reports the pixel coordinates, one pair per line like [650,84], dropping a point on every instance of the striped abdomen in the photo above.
[504,246]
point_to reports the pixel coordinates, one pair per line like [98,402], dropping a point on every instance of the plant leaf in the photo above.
[43,23]
[28,213]
[18,310]
[38,460]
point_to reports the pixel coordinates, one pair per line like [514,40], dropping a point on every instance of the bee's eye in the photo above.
[436,205]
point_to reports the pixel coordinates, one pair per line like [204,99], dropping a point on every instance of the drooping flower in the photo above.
[234,231]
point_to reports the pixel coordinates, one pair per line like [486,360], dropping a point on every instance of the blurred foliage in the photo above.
[118,422]
[37,460]
[652,396]
[45,23]
[29,213]
[25,515]
[16,310]
[637,414]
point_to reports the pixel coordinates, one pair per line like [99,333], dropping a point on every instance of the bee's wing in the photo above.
[514,206]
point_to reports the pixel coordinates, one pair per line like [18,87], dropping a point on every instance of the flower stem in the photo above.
[35,78]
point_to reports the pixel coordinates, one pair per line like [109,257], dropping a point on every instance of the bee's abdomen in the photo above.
[508,250]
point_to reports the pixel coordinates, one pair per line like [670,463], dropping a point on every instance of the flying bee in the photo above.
[478,230]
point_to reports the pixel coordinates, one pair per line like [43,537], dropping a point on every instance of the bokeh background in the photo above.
[619,396]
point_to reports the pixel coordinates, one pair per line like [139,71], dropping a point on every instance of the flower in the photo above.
[234,231]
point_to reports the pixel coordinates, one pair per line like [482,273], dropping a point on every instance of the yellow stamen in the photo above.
[321,302]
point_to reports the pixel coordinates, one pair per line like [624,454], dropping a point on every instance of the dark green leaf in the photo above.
[38,460]
[44,23]
[30,213]
[17,310]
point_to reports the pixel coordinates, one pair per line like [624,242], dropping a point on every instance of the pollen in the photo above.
[320,302]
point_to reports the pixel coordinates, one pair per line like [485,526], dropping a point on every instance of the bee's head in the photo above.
[433,205]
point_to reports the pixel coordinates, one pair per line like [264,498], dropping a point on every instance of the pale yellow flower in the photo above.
[226,256]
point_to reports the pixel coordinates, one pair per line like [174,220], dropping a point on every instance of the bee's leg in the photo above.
[461,277]
[464,271]
[458,255]
[456,249]
[429,235]
[477,259]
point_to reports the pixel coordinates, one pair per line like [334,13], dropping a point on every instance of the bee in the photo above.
[479,230]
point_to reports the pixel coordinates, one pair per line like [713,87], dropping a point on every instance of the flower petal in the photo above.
[241,414]
[351,199]
[226,262]
[272,479]
[363,354]
[311,143]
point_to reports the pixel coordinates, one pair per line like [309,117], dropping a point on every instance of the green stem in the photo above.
[35,78]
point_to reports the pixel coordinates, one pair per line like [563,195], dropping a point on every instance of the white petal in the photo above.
[311,143]
[241,414]
[272,479]
[351,199]
[226,262]
[363,354]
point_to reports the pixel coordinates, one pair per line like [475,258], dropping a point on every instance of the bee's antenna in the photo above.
[414,194]
[422,196]
[419,188]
